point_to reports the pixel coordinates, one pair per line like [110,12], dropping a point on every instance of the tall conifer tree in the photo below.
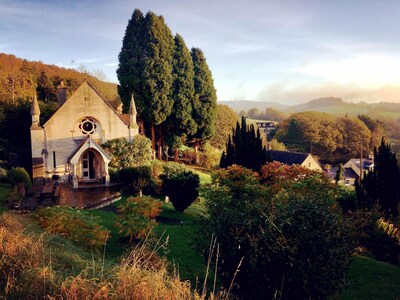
[205,100]
[181,122]
[158,72]
[132,63]
[381,185]
[244,148]
[145,69]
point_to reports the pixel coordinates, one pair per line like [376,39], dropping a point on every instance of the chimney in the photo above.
[61,94]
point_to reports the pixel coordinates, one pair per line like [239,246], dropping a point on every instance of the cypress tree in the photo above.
[181,122]
[381,185]
[132,63]
[205,99]
[145,68]
[244,148]
[157,72]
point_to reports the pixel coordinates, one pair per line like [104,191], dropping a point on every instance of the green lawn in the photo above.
[181,236]
[371,279]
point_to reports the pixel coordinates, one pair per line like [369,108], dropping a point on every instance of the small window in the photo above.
[54,160]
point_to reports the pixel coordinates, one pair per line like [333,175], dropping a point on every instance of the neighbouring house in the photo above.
[266,126]
[351,169]
[69,143]
[305,160]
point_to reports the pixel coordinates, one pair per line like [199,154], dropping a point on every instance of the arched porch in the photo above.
[90,163]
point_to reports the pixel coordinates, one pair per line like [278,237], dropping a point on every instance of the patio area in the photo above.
[89,196]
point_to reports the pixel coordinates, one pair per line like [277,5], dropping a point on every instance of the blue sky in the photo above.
[283,51]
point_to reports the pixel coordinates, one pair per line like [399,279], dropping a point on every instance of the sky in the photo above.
[286,51]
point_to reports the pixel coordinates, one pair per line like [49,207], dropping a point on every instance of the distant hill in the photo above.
[238,105]
[19,77]
[330,105]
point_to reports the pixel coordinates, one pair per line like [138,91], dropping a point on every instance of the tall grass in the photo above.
[29,270]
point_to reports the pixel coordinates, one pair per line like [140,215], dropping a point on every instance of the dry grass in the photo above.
[27,271]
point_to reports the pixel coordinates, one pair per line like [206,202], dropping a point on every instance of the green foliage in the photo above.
[275,145]
[376,127]
[209,157]
[225,122]
[181,122]
[76,225]
[180,186]
[293,244]
[381,186]
[18,175]
[125,154]
[137,179]
[331,138]
[137,216]
[339,173]
[205,100]
[244,148]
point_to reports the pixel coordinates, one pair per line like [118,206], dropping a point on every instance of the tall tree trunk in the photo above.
[176,155]
[160,143]
[195,153]
[141,124]
[159,152]
[153,140]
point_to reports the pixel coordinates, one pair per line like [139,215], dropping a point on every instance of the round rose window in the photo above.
[87,126]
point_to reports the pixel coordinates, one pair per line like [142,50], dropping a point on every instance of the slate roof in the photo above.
[288,158]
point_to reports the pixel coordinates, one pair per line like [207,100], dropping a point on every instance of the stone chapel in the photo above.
[69,143]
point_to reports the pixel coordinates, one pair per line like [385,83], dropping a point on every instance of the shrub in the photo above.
[76,225]
[19,175]
[137,216]
[209,157]
[137,179]
[181,187]
[125,154]
[293,243]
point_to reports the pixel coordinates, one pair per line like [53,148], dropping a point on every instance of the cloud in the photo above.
[362,69]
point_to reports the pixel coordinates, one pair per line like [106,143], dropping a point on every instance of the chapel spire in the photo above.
[35,113]
[132,111]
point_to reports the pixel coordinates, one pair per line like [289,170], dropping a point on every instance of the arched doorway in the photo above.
[90,163]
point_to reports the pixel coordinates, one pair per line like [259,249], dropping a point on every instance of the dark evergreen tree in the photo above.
[244,148]
[158,73]
[145,69]
[382,185]
[205,100]
[132,63]
[181,122]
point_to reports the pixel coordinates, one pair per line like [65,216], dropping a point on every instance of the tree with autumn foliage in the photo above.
[137,216]
[289,242]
